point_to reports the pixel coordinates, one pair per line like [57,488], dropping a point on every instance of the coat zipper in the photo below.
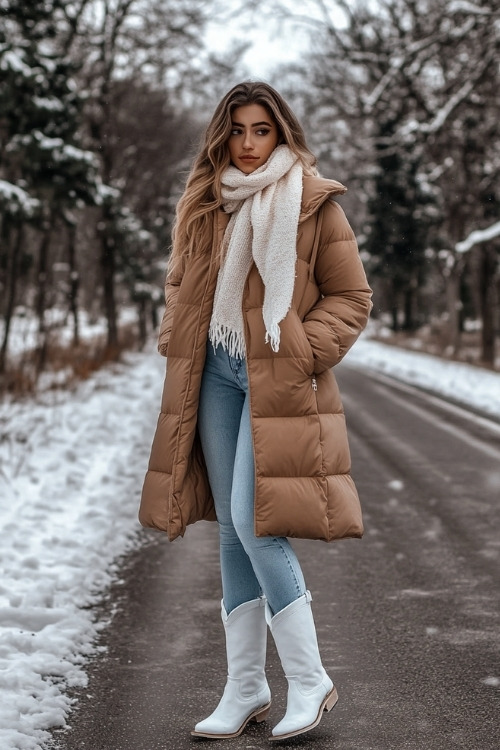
[314,384]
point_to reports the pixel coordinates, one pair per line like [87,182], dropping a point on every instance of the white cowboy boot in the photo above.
[246,695]
[310,690]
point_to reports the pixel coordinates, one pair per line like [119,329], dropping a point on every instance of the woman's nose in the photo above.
[247,141]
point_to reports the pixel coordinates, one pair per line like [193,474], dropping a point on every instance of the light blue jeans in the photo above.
[250,565]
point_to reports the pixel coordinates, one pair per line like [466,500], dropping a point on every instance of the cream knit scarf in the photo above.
[264,208]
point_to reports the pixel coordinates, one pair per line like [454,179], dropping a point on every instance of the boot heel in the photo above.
[262,715]
[331,699]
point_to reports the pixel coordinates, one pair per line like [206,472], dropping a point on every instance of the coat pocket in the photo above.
[303,349]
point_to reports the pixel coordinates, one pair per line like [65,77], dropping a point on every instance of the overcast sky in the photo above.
[273,41]
[268,48]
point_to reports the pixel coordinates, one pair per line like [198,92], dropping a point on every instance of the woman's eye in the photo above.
[235,131]
[262,131]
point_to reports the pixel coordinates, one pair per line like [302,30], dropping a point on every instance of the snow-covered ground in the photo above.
[71,465]
[465,384]
[71,468]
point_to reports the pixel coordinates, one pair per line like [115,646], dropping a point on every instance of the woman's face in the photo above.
[254,136]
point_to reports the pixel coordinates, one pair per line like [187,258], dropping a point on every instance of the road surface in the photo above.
[408,618]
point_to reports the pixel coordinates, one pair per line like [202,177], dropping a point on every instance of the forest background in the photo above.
[102,104]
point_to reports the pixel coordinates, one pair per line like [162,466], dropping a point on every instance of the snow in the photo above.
[48,103]
[461,6]
[71,466]
[478,236]
[16,201]
[444,112]
[59,150]
[396,484]
[72,153]
[71,469]
[491,681]
[106,194]
[465,384]
[10,60]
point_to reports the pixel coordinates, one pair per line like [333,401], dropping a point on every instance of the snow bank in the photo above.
[71,468]
[462,383]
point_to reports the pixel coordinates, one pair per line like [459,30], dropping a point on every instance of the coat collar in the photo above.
[316,190]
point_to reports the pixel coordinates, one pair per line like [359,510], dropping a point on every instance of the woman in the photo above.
[265,293]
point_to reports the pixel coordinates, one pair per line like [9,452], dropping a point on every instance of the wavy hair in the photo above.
[193,225]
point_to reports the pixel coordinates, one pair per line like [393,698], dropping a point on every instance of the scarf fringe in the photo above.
[233,342]
[273,337]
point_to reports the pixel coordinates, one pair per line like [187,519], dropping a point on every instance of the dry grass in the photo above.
[64,366]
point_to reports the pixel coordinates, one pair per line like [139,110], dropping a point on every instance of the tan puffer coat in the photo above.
[302,462]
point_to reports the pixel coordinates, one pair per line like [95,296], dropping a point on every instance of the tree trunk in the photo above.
[74,279]
[143,326]
[488,265]
[409,309]
[41,301]
[454,307]
[108,265]
[155,320]
[393,306]
[14,243]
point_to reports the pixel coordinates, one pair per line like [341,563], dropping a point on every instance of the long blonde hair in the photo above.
[202,196]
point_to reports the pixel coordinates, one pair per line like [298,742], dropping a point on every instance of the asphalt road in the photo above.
[408,618]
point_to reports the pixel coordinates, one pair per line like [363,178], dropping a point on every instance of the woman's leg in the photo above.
[247,560]
[219,419]
[273,559]
[246,695]
[249,564]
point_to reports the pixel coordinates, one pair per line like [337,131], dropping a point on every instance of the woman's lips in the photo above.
[248,158]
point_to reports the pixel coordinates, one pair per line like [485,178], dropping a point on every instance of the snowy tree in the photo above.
[17,208]
[460,140]
[409,90]
[94,102]
[39,151]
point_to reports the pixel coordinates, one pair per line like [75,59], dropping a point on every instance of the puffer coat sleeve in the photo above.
[172,285]
[338,317]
